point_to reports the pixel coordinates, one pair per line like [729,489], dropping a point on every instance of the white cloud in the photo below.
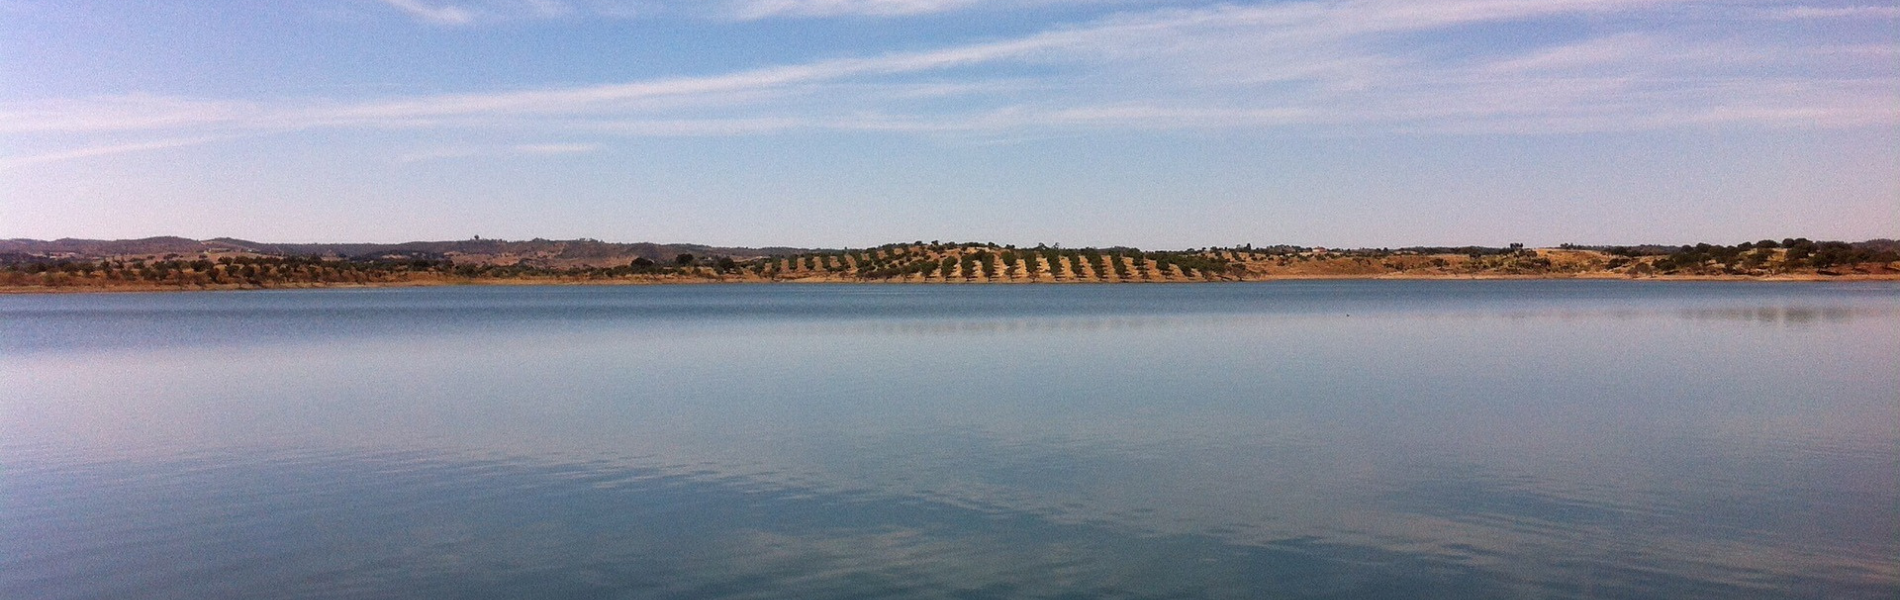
[1372,14]
[469,12]
[1838,12]
[106,150]
[444,153]
[761,9]
[440,15]
[464,12]
[121,113]
[1359,65]
[555,148]
[1611,50]
[465,151]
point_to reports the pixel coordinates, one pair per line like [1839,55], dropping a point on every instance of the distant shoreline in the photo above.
[527,282]
[177,264]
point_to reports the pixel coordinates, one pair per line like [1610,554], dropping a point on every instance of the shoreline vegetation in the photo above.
[172,264]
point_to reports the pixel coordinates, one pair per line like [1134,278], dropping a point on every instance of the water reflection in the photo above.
[1789,315]
[349,524]
[54,323]
[1304,443]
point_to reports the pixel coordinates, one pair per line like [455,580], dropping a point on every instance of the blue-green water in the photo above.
[1281,440]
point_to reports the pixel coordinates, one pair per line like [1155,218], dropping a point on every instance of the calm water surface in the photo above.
[1286,440]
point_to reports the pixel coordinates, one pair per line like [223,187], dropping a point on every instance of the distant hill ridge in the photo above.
[179,263]
[578,252]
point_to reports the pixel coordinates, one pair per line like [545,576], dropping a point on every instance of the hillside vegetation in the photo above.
[218,264]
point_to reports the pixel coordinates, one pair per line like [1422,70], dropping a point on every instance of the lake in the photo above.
[1361,439]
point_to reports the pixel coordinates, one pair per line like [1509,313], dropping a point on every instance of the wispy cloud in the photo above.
[471,12]
[445,14]
[1588,54]
[535,149]
[1360,65]
[122,113]
[444,153]
[1376,13]
[1838,12]
[760,9]
[8,162]
[555,148]
[465,12]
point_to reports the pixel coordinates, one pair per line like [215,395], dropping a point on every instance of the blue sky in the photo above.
[1161,124]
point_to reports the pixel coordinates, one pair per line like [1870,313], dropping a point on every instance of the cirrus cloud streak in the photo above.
[1317,66]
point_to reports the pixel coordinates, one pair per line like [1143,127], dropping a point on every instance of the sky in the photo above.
[845,123]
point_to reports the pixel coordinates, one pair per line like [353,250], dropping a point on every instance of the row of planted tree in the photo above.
[921,262]
[988,262]
[222,271]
